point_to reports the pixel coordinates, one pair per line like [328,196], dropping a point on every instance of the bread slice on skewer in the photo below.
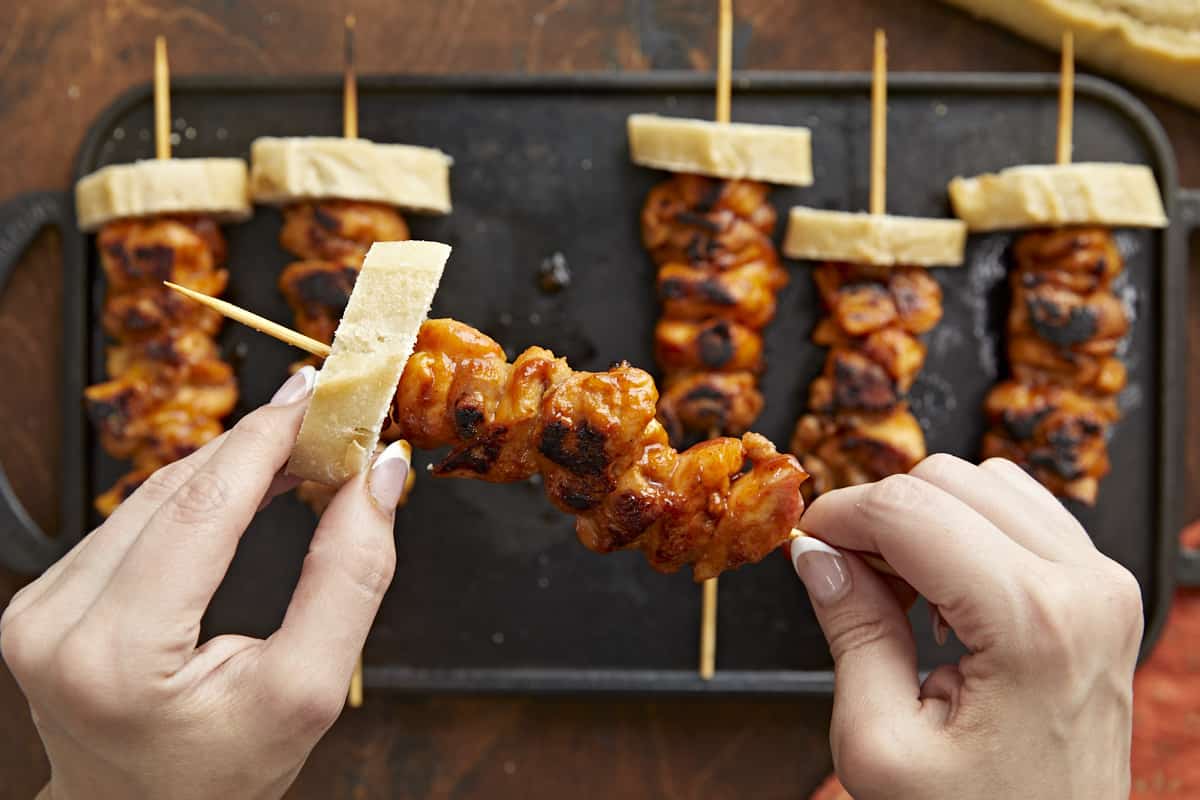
[354,390]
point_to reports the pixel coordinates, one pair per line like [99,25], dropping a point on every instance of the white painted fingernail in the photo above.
[821,568]
[388,475]
[295,388]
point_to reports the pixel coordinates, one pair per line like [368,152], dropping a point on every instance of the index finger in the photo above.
[171,571]
[950,553]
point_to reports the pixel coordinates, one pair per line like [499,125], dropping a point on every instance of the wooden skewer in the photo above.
[252,320]
[708,617]
[708,598]
[162,100]
[879,125]
[349,85]
[724,59]
[1066,98]
[354,697]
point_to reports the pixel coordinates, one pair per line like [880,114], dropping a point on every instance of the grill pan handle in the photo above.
[1187,216]
[23,546]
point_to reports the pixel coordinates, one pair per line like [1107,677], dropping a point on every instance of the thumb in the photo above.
[349,566]
[877,690]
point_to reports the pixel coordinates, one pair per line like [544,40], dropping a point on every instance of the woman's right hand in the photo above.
[1041,706]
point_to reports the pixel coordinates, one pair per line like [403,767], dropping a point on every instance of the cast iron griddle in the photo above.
[492,592]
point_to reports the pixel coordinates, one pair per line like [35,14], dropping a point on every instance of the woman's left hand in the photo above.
[104,644]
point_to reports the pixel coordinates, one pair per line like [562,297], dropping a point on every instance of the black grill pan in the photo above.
[492,593]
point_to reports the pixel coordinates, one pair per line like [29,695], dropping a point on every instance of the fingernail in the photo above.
[295,388]
[821,568]
[388,475]
[940,629]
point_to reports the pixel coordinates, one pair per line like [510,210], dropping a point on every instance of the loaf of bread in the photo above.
[354,389]
[313,168]
[214,186]
[1153,43]
[771,153]
[880,239]
[1114,195]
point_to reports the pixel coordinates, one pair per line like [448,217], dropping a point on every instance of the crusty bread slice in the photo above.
[1036,195]
[1154,43]
[878,239]
[214,186]
[354,389]
[284,170]
[771,153]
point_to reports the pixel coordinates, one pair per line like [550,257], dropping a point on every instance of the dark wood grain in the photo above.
[61,62]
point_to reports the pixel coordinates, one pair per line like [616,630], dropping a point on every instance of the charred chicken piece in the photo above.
[602,455]
[168,387]
[1065,327]
[152,311]
[741,295]
[709,401]
[1080,260]
[686,201]
[317,292]
[148,394]
[339,230]
[1066,319]
[714,345]
[144,253]
[862,298]
[858,428]
[852,449]
[718,277]
[1057,434]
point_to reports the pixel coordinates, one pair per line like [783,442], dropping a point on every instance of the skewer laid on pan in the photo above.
[168,388]
[880,298]
[708,229]
[1055,413]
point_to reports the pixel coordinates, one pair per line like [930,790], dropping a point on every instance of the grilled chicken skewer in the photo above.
[880,299]
[858,427]
[1054,414]
[708,230]
[168,388]
[594,439]
[718,276]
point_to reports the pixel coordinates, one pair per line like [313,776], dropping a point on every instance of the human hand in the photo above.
[104,644]
[1041,707]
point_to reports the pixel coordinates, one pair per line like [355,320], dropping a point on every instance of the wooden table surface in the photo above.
[62,61]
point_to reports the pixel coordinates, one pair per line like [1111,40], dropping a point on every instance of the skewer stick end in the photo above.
[878,199]
[354,696]
[708,630]
[162,99]
[1066,99]
[349,84]
[252,320]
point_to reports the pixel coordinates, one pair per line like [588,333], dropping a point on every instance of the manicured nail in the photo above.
[940,629]
[388,475]
[295,388]
[821,568]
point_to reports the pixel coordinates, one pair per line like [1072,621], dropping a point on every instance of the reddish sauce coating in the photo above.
[168,388]
[602,455]
[1053,415]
